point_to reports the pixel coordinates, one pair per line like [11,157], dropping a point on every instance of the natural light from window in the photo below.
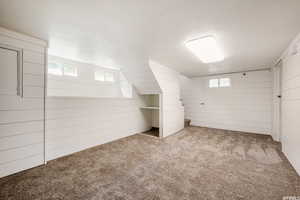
[70,70]
[60,69]
[69,78]
[214,83]
[55,69]
[99,76]
[104,76]
[222,82]
[109,77]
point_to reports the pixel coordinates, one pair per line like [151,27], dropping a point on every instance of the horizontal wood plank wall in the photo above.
[22,119]
[173,111]
[290,109]
[75,124]
[245,106]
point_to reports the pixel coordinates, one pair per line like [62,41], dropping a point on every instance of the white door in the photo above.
[21,135]
[276,122]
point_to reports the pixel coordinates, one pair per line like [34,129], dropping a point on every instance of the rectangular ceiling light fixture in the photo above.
[206,49]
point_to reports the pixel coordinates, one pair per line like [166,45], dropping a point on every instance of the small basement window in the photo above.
[70,70]
[55,69]
[99,76]
[59,70]
[224,82]
[213,83]
[104,76]
[109,77]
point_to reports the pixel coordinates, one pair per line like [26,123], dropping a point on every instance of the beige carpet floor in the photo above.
[197,163]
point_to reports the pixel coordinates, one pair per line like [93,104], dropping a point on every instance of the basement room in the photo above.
[149,100]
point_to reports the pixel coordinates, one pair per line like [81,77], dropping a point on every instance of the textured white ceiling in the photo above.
[119,33]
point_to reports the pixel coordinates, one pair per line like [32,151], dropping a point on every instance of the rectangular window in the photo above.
[61,69]
[224,82]
[109,77]
[99,76]
[55,69]
[70,70]
[214,83]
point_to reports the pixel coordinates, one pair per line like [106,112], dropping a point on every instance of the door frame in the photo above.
[276,102]
[19,52]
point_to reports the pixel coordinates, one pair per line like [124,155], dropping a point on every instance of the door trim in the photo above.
[19,52]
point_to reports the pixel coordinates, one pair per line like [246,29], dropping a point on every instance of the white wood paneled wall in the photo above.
[245,106]
[22,119]
[290,109]
[172,109]
[75,124]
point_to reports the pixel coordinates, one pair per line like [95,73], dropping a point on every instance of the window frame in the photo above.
[59,67]
[97,74]
[105,76]
[228,84]
[112,77]
[212,84]
[218,82]
[75,74]
[62,67]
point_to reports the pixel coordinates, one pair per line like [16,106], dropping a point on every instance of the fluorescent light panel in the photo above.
[206,49]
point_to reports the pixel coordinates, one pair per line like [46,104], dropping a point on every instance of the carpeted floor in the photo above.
[197,163]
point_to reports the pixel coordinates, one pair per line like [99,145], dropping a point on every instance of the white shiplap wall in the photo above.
[290,109]
[75,124]
[172,109]
[245,106]
[22,119]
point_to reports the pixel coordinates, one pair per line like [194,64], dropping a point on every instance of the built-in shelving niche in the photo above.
[152,108]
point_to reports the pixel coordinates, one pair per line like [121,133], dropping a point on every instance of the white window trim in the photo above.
[62,69]
[105,76]
[219,85]
[225,85]
[212,85]
[69,74]
[55,74]
[111,79]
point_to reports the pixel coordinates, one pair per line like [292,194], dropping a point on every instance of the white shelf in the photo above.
[150,107]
